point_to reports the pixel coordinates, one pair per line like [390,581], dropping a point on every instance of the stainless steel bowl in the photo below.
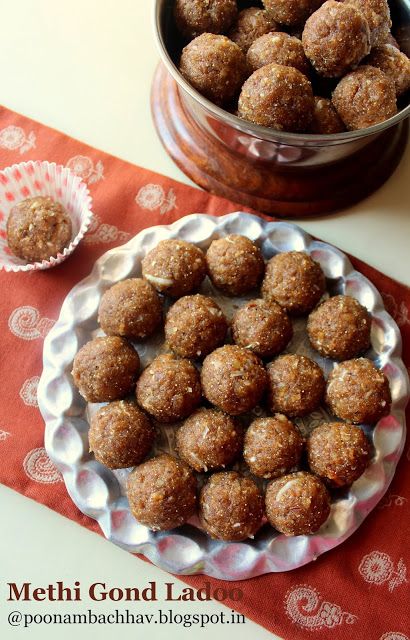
[257,145]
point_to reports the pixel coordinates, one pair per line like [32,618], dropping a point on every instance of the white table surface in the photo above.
[85,67]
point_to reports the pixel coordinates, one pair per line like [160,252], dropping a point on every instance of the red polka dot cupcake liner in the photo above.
[36,178]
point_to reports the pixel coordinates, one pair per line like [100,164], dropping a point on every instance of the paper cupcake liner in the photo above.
[29,179]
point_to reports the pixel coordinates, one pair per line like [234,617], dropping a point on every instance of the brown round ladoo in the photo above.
[262,327]
[339,328]
[338,452]
[162,493]
[230,507]
[106,369]
[233,379]
[235,264]
[131,309]
[296,385]
[215,66]
[365,97]
[278,48]
[394,64]
[336,38]
[377,14]
[209,440]
[195,326]
[120,435]
[297,504]
[194,17]
[292,13]
[358,392]
[169,388]
[38,228]
[174,267]
[279,97]
[294,281]
[251,23]
[273,446]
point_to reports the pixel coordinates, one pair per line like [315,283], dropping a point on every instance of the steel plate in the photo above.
[99,492]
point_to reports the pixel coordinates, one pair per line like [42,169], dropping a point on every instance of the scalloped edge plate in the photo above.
[98,491]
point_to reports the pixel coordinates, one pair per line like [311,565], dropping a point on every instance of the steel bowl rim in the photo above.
[258,131]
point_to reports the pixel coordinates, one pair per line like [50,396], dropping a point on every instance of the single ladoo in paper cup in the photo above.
[36,178]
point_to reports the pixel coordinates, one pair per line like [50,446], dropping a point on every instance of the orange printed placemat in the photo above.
[359,590]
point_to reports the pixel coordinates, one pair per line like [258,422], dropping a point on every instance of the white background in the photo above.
[85,67]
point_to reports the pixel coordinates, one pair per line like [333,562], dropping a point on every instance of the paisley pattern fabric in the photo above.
[360,589]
